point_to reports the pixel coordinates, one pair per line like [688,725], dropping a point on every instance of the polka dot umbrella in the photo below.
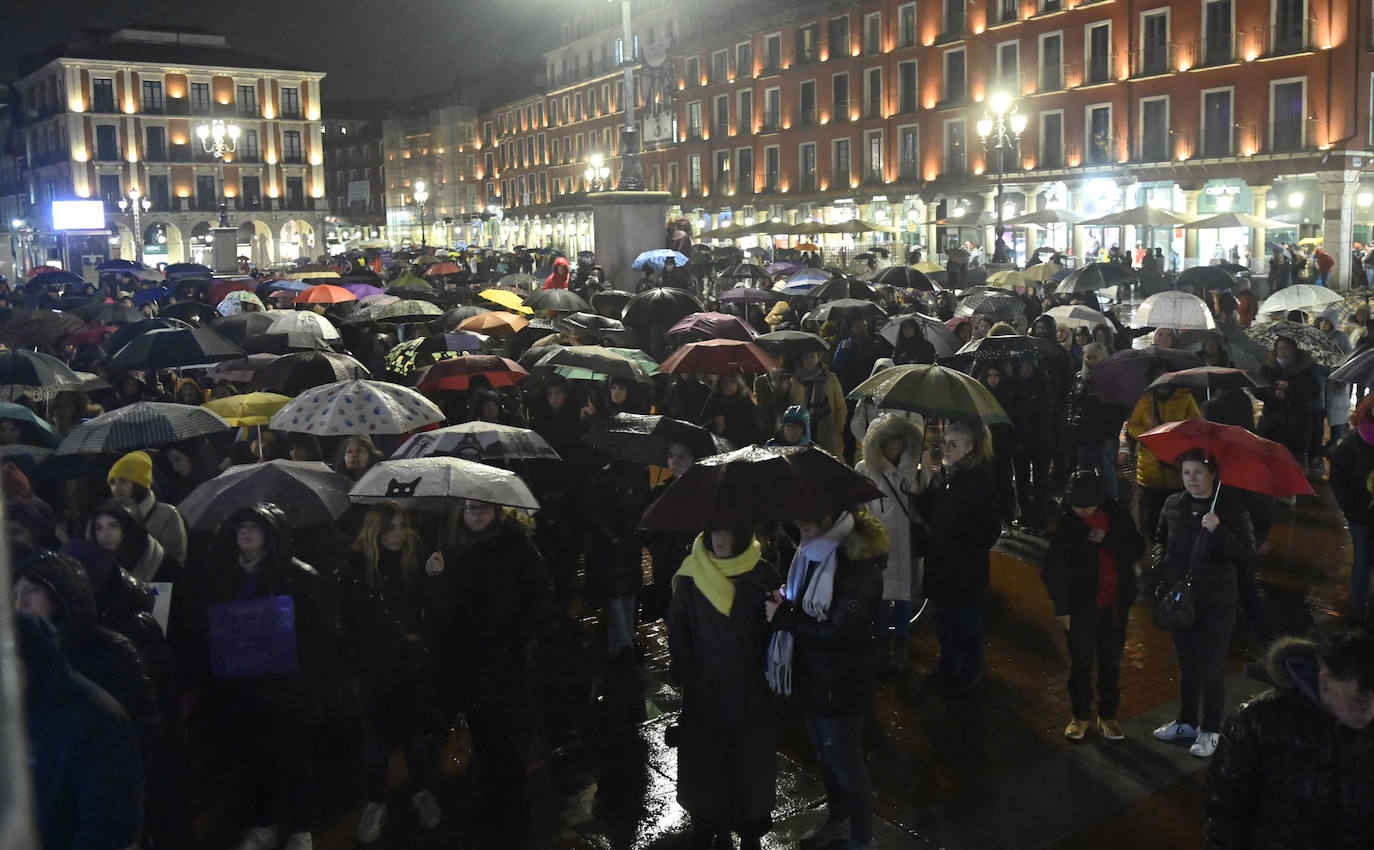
[356,407]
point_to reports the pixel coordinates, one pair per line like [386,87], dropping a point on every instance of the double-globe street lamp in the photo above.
[219,139]
[1000,129]
[135,203]
[420,195]
[597,174]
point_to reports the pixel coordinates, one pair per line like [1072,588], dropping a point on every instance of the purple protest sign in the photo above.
[253,637]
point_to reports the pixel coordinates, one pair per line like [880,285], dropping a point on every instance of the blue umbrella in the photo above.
[155,293]
[808,276]
[118,266]
[38,432]
[188,270]
[288,285]
[658,257]
[55,279]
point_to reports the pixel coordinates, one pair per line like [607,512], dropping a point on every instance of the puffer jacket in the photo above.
[1303,387]
[961,509]
[1218,555]
[1091,420]
[1151,413]
[896,508]
[1071,564]
[1351,465]
[1287,774]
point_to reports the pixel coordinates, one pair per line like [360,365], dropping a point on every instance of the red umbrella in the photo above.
[720,357]
[1246,460]
[442,268]
[37,270]
[713,326]
[325,293]
[223,288]
[456,373]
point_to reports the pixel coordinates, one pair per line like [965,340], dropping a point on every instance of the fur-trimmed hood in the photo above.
[868,539]
[891,425]
[1292,666]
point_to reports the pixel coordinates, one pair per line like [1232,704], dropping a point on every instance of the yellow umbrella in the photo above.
[1042,271]
[506,299]
[249,408]
[310,275]
[928,267]
[1008,279]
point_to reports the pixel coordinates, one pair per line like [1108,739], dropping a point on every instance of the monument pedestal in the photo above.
[226,249]
[624,225]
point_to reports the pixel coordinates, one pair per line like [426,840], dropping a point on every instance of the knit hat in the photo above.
[96,560]
[14,482]
[1085,489]
[135,466]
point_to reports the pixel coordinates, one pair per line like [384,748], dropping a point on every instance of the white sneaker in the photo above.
[1174,731]
[259,838]
[299,841]
[371,823]
[1205,745]
[426,809]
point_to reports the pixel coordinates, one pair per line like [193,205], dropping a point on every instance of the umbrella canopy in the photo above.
[1204,278]
[591,363]
[723,491]
[1006,347]
[109,313]
[479,441]
[1008,280]
[1357,369]
[405,311]
[357,407]
[326,293]
[195,313]
[240,370]
[645,439]
[748,271]
[1228,220]
[1244,352]
[118,266]
[1301,296]
[1078,316]
[312,493]
[456,373]
[657,258]
[1123,378]
[936,392]
[1091,277]
[611,302]
[255,408]
[1041,272]
[1146,216]
[1173,309]
[239,301]
[171,348]
[700,326]
[663,304]
[1355,300]
[434,483]
[320,274]
[1207,378]
[32,328]
[781,268]
[141,425]
[1322,348]
[1045,218]
[293,374]
[521,281]
[33,429]
[843,287]
[296,329]
[720,357]
[946,341]
[845,310]
[747,295]
[55,278]
[562,300]
[442,269]
[791,344]
[1244,460]
[496,323]
[995,305]
[360,290]
[905,277]
[34,374]
[188,270]
[242,328]
[505,298]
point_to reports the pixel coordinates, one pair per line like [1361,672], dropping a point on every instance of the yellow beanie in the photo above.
[135,466]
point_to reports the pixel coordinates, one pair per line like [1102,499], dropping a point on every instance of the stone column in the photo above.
[1338,221]
[624,224]
[1260,209]
[1190,199]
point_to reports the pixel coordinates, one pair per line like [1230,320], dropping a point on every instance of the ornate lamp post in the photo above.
[135,203]
[420,195]
[1000,129]
[631,178]
[219,139]
[22,233]
[598,174]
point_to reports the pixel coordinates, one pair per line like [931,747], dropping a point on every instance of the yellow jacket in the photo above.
[1149,413]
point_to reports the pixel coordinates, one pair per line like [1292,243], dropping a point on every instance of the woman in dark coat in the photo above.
[729,411]
[1288,399]
[1352,465]
[1032,413]
[1212,538]
[912,345]
[718,636]
[667,549]
[619,494]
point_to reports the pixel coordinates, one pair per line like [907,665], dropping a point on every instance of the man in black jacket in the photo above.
[1296,764]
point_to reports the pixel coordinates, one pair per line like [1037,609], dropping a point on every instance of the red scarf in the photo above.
[1106,564]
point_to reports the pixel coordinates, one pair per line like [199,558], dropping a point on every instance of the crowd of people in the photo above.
[404,617]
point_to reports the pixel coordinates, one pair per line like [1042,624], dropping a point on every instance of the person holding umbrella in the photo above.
[667,548]
[614,571]
[1288,400]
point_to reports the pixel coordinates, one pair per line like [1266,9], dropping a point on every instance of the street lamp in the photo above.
[420,195]
[22,231]
[135,203]
[597,174]
[631,178]
[1000,129]
[219,139]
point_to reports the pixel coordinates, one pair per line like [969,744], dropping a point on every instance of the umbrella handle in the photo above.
[1214,497]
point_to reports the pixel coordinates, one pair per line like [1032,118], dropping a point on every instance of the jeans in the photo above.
[620,623]
[894,615]
[848,793]
[1362,540]
[1201,654]
[385,716]
[1100,637]
[959,629]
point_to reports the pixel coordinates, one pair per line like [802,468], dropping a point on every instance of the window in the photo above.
[1099,134]
[806,167]
[1218,46]
[873,93]
[155,144]
[954,18]
[840,168]
[158,193]
[772,109]
[1216,122]
[153,103]
[771,168]
[1009,65]
[1287,115]
[720,117]
[808,115]
[772,52]
[246,100]
[619,52]
[674,183]
[694,120]
[839,96]
[720,67]
[577,104]
[102,95]
[839,37]
[107,143]
[206,196]
[291,103]
[720,175]
[1154,129]
[1051,61]
[694,173]
[692,75]
[248,146]
[908,153]
[1098,41]
[200,98]
[1047,6]
[873,157]
[110,190]
[1290,26]
[1051,139]
[809,43]
[744,170]
[745,114]
[744,59]
[956,154]
[1154,42]
[955,82]
[295,193]
[542,159]
[291,146]
[873,32]
[1006,10]
[906,86]
[252,193]
[906,25]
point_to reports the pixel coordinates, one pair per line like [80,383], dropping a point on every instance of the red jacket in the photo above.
[559,278]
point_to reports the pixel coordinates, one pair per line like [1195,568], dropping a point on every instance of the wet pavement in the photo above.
[989,768]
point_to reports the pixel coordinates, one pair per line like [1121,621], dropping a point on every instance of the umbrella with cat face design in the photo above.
[437,483]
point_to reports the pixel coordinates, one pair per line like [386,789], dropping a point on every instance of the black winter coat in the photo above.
[1287,774]
[1303,387]
[1218,555]
[964,525]
[738,413]
[1351,465]
[1091,420]
[1032,410]
[377,622]
[615,557]
[727,750]
[1070,569]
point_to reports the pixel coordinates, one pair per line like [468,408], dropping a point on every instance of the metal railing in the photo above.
[1003,11]
[1096,70]
[1154,59]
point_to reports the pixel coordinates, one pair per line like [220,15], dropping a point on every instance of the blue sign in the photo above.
[253,637]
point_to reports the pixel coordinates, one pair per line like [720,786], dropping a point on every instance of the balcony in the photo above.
[809,55]
[1098,151]
[1225,49]
[806,183]
[1003,12]
[772,69]
[153,108]
[693,134]
[1099,69]
[1155,60]
[1158,146]
[772,123]
[155,154]
[1051,78]
[906,103]
[292,159]
[178,106]
[103,105]
[873,108]
[807,116]
[290,114]
[841,110]
[1278,137]
[956,30]
[1287,38]
[873,178]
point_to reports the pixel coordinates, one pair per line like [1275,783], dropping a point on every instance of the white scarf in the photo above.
[814,598]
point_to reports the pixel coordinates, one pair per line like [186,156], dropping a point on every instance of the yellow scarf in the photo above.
[712,575]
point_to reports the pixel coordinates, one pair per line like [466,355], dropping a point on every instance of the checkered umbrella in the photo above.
[479,441]
[140,426]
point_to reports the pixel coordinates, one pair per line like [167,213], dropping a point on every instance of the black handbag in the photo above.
[1175,605]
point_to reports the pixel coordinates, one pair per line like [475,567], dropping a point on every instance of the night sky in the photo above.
[371,49]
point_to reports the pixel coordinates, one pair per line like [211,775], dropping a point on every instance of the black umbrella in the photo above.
[293,374]
[1203,278]
[191,311]
[611,302]
[127,334]
[844,287]
[996,305]
[905,277]
[557,299]
[168,348]
[661,304]
[645,439]
[141,425]
[581,323]
[1208,378]
[746,271]
[313,493]
[791,344]
[1244,352]
[242,328]
[29,373]
[1094,276]
[846,310]
[1001,347]
[109,313]
[454,316]
[29,328]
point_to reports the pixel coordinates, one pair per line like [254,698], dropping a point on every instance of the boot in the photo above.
[884,649]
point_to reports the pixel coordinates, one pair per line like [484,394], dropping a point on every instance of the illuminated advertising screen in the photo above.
[78,215]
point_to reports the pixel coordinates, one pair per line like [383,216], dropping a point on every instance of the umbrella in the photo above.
[32,328]
[945,340]
[842,287]
[720,357]
[756,252]
[1046,218]
[1041,272]
[1145,217]
[657,259]
[648,363]
[611,302]
[995,305]
[242,328]
[496,323]
[319,274]
[297,329]
[56,278]
[645,439]
[456,373]
[1208,378]
[296,373]
[1244,352]
[1091,276]
[220,290]
[141,425]
[240,370]
[195,313]
[1078,316]
[664,304]
[118,266]
[36,375]
[723,491]
[1008,280]
[591,363]
[255,408]
[1244,459]
[109,313]
[356,407]
[34,429]
[1173,309]
[791,344]
[1006,347]
[699,326]
[1301,296]
[442,269]
[172,348]
[562,300]
[505,298]
[905,277]
[1322,348]
[1228,220]
[454,316]
[37,270]
[935,392]
[360,290]
[188,270]
[325,293]
[434,483]
[479,441]
[749,271]
[403,312]
[747,295]
[1357,369]
[586,323]
[781,268]
[410,281]
[1355,300]
[521,281]
[846,310]
[312,493]
[1203,278]
[234,303]
[1123,378]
